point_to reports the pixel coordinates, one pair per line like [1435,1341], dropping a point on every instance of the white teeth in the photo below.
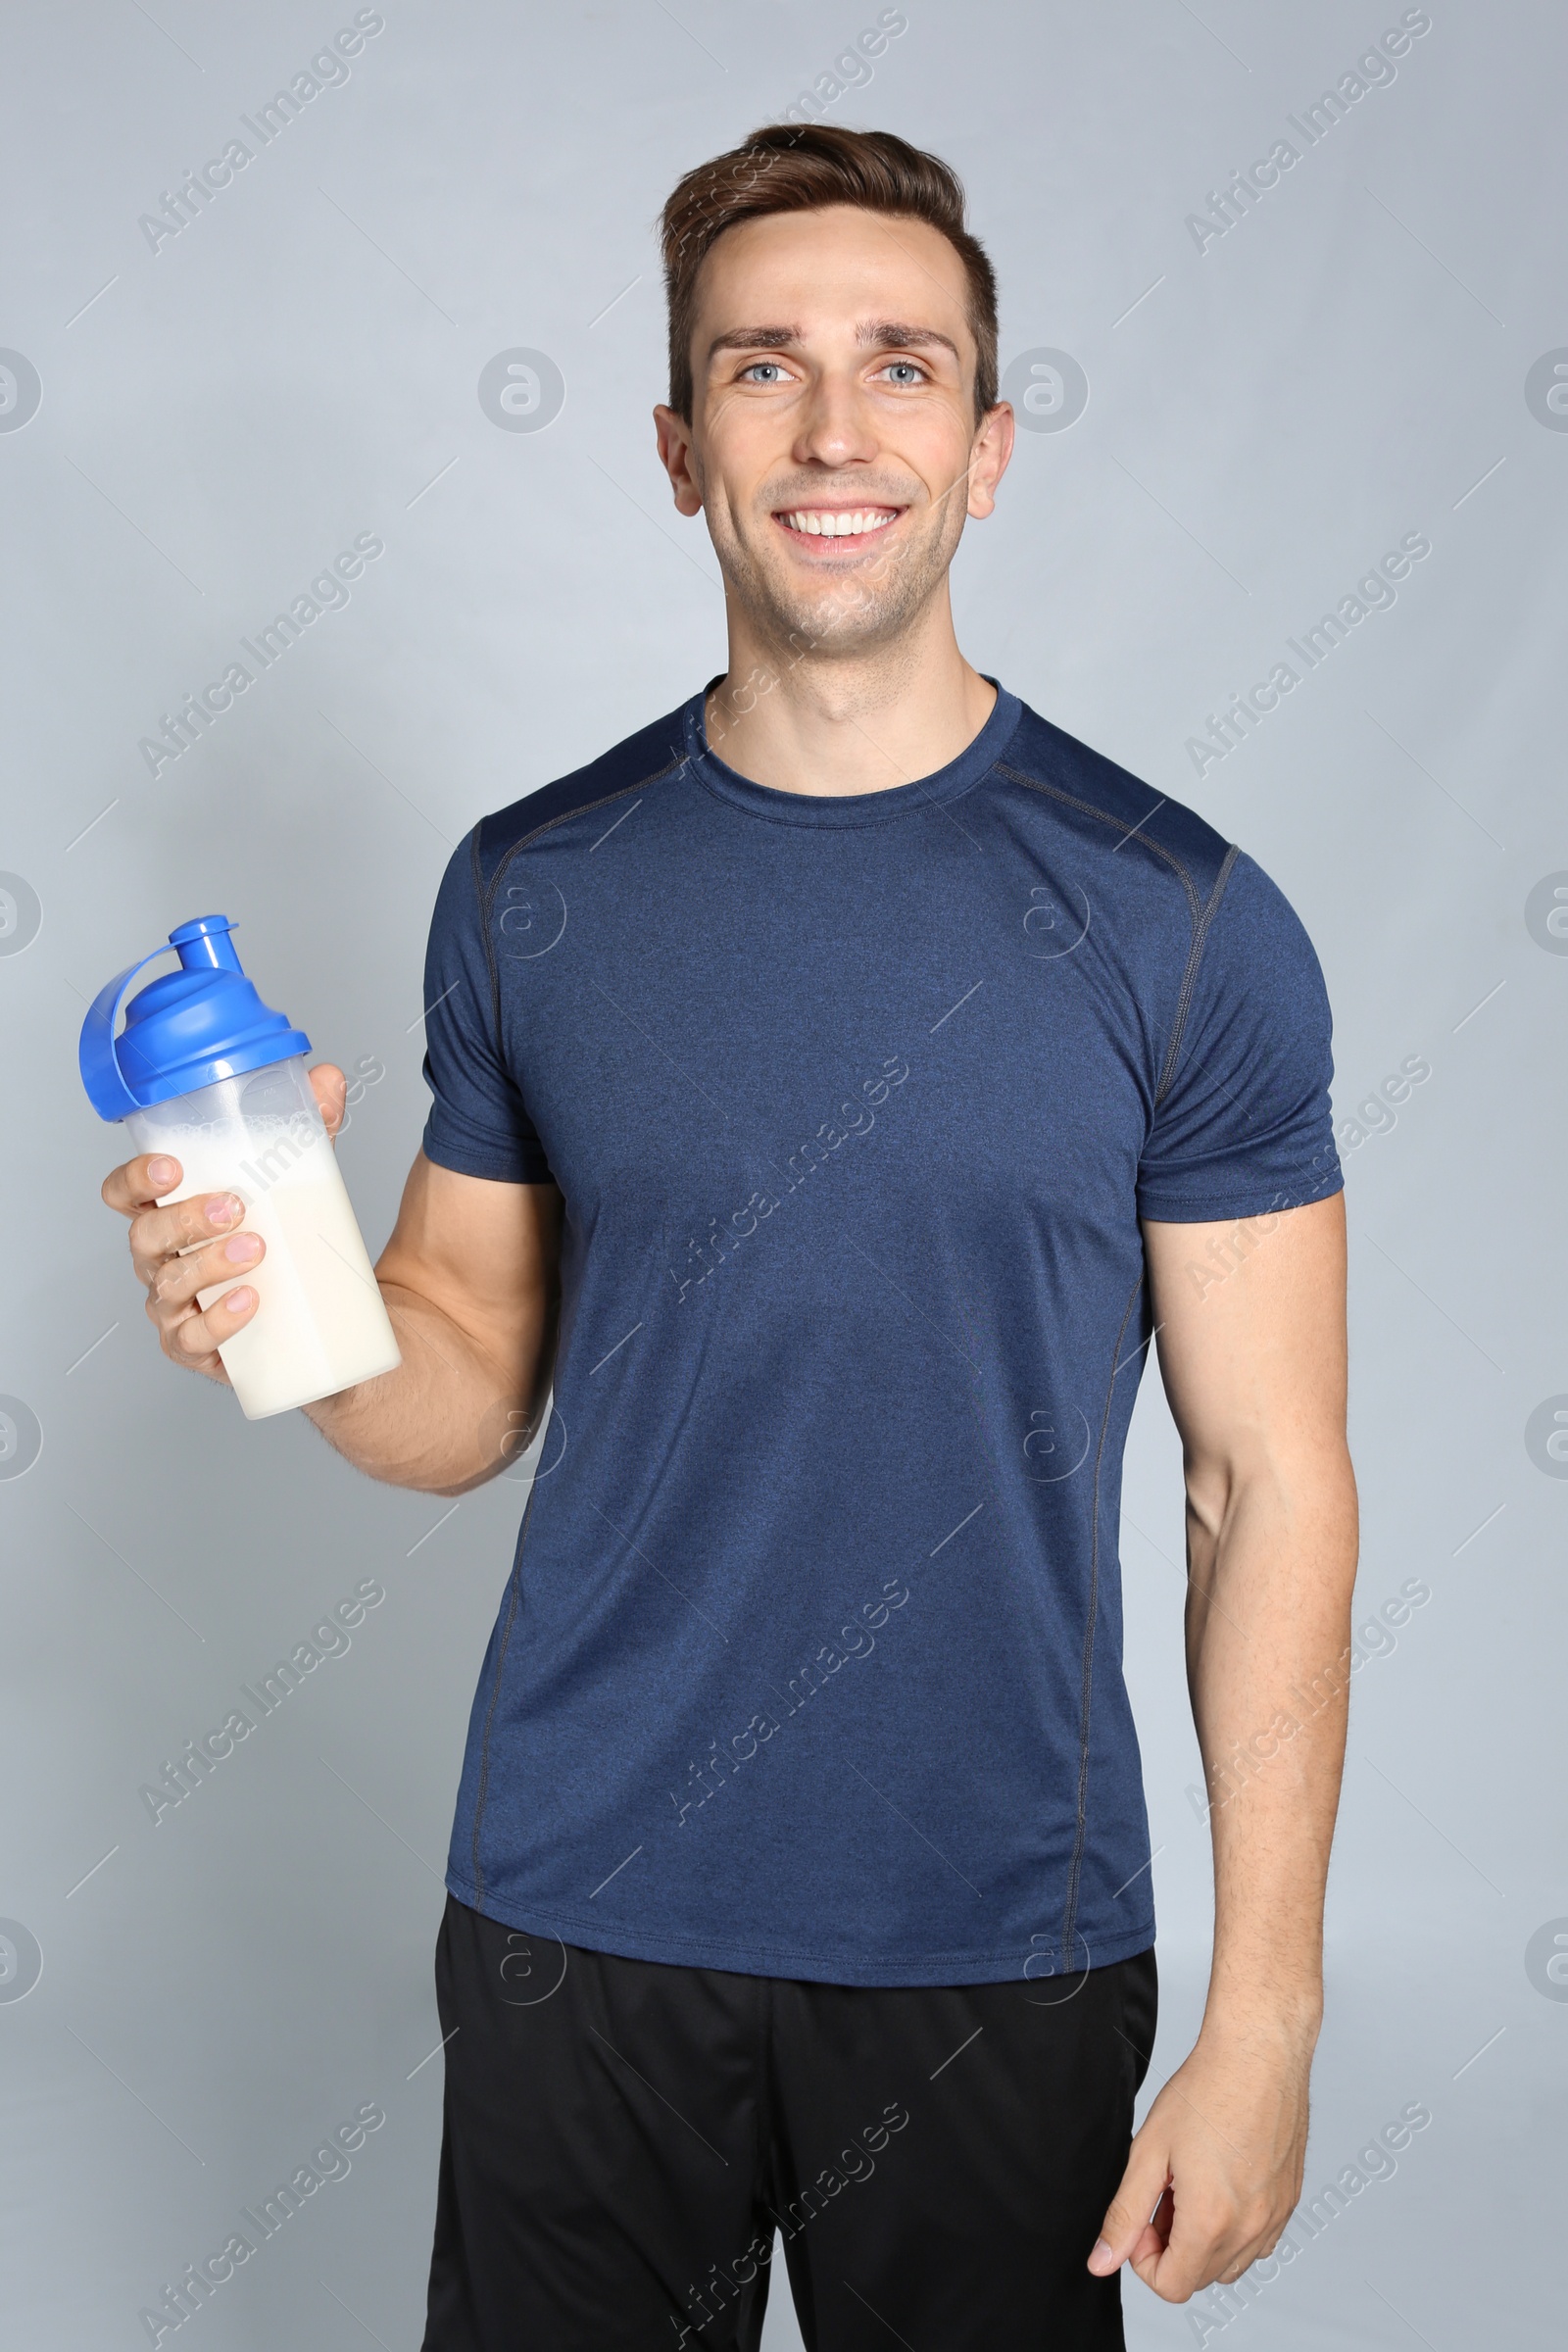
[827,523]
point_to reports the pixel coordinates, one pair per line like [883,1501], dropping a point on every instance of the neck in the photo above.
[850,722]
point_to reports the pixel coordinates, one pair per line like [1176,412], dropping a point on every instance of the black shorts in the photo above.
[628,2144]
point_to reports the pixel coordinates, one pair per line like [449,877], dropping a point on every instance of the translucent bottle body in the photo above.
[319,1324]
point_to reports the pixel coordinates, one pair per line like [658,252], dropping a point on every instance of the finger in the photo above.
[139,1182]
[1144,2260]
[1153,2238]
[193,1338]
[1142,2192]
[1235,2250]
[330,1087]
[1205,2244]
[176,1280]
[157,1233]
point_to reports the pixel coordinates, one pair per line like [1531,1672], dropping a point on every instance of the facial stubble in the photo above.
[870,605]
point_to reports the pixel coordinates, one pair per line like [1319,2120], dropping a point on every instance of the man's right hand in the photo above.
[470,1277]
[188,1334]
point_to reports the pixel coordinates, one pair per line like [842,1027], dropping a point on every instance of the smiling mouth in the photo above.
[836,523]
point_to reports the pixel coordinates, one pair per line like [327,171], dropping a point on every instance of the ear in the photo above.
[678,456]
[993,447]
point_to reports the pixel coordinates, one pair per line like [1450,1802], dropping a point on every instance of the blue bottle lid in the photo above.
[182,1030]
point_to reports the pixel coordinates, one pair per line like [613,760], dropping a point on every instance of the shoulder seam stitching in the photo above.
[1104,816]
[485,892]
[583,807]
[484,935]
[1200,931]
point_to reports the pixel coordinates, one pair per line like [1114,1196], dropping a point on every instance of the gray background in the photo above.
[300,365]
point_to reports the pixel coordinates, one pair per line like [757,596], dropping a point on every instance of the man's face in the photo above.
[833,443]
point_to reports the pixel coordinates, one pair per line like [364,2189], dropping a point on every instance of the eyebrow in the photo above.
[882,335]
[754,338]
[893,335]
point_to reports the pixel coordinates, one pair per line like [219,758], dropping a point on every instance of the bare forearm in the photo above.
[445,1420]
[1267,1643]
[1253,1360]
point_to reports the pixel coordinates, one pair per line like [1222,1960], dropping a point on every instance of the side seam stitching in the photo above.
[495,1694]
[1070,1910]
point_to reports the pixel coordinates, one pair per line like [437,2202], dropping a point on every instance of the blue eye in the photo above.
[904,371]
[777,376]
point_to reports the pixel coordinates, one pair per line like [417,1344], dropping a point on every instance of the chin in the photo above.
[845,611]
[851,606]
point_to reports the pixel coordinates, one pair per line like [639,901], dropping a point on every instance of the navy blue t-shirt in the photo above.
[810,1661]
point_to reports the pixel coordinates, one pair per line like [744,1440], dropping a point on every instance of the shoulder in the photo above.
[1116,816]
[643,758]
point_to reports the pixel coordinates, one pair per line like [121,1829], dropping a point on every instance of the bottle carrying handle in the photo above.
[98,1056]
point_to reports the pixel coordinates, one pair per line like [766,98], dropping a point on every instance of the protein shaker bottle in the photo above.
[207,1072]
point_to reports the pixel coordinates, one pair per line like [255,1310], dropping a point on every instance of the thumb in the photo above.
[1127,2216]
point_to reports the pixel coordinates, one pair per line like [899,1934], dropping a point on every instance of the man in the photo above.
[858,1071]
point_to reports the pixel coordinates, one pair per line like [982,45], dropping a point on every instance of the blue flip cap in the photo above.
[184,1030]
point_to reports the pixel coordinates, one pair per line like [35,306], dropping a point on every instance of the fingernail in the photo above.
[1102,2258]
[222,1209]
[240,1297]
[241,1246]
[160,1172]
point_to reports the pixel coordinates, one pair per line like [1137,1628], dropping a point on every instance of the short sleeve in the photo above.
[477,1123]
[1242,1123]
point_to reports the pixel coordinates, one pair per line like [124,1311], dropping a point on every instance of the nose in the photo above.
[836,424]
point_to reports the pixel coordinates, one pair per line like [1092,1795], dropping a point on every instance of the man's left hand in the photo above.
[1215,2172]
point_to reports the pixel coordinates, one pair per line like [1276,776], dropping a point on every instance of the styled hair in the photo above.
[802,168]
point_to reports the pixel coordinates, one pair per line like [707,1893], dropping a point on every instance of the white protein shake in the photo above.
[320,1325]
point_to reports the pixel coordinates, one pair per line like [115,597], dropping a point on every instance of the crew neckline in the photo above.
[781,808]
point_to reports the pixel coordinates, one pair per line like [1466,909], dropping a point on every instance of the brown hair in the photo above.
[800,167]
